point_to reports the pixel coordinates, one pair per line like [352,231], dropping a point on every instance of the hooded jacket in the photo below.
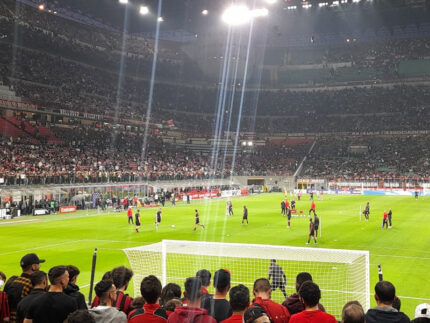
[385,315]
[186,314]
[107,314]
[294,306]
[73,291]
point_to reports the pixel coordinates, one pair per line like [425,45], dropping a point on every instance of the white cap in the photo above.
[422,310]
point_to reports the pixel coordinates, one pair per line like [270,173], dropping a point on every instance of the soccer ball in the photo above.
[173,225]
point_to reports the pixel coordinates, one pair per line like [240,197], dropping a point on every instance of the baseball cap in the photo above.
[253,313]
[422,310]
[30,259]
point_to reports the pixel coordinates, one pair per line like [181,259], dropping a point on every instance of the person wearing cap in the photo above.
[22,286]
[192,313]
[262,292]
[422,313]
[54,306]
[239,302]
[310,295]
[218,307]
[255,314]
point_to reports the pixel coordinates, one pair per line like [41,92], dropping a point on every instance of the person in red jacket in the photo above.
[130,215]
[192,313]
[310,295]
[262,292]
[312,209]
[385,220]
[151,312]
[239,302]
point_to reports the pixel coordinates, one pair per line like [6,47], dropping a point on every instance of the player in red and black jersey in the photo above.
[311,232]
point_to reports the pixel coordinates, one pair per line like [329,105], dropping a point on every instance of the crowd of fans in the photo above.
[400,158]
[36,296]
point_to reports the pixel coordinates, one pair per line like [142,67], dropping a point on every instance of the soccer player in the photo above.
[390,213]
[137,220]
[316,224]
[130,215]
[311,232]
[279,280]
[366,211]
[293,204]
[385,220]
[288,216]
[416,195]
[311,195]
[245,215]
[197,221]
[312,209]
[230,208]
[157,219]
[283,210]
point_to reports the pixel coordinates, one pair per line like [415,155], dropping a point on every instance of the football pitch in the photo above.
[403,251]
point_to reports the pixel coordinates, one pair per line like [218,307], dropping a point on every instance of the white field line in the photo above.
[18,221]
[394,256]
[69,242]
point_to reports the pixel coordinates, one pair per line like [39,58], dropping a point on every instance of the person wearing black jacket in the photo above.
[384,312]
[39,281]
[72,289]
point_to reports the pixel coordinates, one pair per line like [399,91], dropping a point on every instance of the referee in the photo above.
[279,280]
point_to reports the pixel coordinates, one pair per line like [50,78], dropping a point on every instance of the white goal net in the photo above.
[342,275]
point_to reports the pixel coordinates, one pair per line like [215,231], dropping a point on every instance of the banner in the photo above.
[68,209]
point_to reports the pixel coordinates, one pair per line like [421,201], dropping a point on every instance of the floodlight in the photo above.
[144,10]
[123,1]
[41,7]
[250,143]
[160,19]
[205,12]
[307,6]
[237,15]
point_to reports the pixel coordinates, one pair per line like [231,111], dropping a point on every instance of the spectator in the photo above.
[352,312]
[172,304]
[205,277]
[21,286]
[170,291]
[192,313]
[80,316]
[105,312]
[217,305]
[73,290]
[310,295]
[54,306]
[239,302]
[385,292]
[121,277]
[4,303]
[293,303]
[150,288]
[262,292]
[39,282]
[255,314]
[422,313]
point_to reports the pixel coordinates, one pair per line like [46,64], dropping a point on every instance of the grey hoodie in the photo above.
[107,314]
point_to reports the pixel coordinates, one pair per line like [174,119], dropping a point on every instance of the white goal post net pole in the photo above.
[342,275]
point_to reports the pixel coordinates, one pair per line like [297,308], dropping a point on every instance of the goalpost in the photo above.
[342,275]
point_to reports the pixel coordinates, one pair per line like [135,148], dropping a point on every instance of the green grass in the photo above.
[403,251]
